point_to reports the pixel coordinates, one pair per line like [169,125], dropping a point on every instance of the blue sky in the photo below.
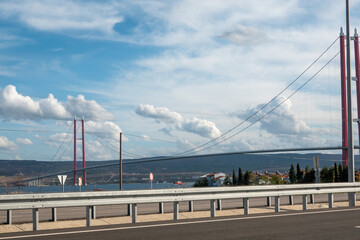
[171,75]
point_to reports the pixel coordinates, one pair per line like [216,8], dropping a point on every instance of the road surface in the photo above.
[320,224]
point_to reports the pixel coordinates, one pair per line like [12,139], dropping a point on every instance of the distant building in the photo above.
[264,179]
[215,179]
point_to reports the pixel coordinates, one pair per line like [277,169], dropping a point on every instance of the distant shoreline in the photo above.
[104,187]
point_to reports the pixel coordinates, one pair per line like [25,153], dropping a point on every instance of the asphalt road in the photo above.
[23,216]
[320,224]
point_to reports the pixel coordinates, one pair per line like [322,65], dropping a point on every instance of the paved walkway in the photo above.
[5,228]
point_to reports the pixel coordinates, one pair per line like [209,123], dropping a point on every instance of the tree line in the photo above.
[249,178]
[336,173]
[243,179]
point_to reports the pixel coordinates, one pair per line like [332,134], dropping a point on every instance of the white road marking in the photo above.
[178,223]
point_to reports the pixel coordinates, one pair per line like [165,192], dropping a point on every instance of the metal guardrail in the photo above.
[134,197]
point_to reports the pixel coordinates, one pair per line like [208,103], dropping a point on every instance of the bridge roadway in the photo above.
[341,223]
[23,216]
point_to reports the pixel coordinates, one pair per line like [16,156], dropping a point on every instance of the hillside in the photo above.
[186,169]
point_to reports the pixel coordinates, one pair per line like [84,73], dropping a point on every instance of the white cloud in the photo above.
[280,121]
[57,139]
[97,151]
[15,106]
[101,140]
[184,144]
[158,113]
[99,136]
[106,130]
[201,127]
[65,17]
[158,22]
[24,141]
[202,21]
[51,108]
[90,109]
[6,144]
[284,124]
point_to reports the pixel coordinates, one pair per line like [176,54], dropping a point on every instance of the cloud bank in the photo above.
[285,125]
[15,106]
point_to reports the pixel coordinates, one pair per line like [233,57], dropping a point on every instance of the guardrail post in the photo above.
[304,197]
[219,206]
[312,198]
[352,199]
[134,212]
[246,206]
[8,217]
[277,204]
[129,210]
[53,214]
[35,213]
[93,212]
[291,200]
[176,210]
[268,201]
[331,200]
[161,208]
[88,215]
[191,206]
[212,208]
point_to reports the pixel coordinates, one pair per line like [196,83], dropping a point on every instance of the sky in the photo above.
[170,75]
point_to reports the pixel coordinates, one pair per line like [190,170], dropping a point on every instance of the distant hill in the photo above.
[255,162]
[170,169]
